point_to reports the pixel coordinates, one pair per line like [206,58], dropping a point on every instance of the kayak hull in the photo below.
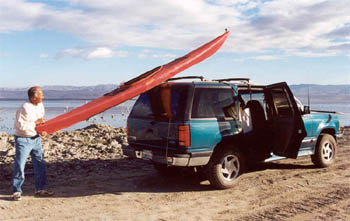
[132,88]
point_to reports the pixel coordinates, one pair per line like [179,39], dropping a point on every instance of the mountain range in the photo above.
[60,92]
[317,93]
[322,93]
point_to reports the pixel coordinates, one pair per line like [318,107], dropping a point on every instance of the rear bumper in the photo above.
[173,159]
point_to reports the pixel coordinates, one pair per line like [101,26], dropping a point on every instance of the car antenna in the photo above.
[250,91]
[308,96]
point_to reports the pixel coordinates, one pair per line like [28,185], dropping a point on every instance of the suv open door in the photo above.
[288,127]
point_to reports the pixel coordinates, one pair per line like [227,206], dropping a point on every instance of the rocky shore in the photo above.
[78,150]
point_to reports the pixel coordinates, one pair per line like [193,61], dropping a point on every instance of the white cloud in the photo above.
[313,54]
[301,24]
[267,57]
[260,58]
[91,53]
[255,25]
[17,15]
[74,52]
[43,55]
[101,52]
[147,53]
[4,54]
[121,54]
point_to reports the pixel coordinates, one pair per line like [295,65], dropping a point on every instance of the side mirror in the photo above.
[306,110]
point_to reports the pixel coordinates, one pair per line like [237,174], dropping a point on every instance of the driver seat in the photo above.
[257,114]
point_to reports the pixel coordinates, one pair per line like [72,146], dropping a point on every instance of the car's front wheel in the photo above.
[225,166]
[325,152]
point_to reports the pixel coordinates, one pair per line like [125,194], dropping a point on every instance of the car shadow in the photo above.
[277,166]
[75,178]
[91,177]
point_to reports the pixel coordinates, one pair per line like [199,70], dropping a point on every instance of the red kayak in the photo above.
[132,88]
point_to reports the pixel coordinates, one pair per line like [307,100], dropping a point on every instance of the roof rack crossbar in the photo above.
[233,79]
[187,77]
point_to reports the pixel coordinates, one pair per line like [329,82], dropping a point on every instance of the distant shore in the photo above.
[320,94]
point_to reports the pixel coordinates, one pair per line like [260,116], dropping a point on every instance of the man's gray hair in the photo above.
[32,92]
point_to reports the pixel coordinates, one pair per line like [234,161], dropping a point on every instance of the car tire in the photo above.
[225,167]
[325,152]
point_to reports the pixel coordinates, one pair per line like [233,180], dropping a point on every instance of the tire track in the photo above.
[281,185]
[286,169]
[307,205]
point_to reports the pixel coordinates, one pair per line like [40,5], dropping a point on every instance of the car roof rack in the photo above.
[187,77]
[245,80]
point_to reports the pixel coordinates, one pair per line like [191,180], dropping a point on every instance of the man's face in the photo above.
[38,98]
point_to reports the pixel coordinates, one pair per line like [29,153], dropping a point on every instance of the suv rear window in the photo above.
[161,103]
[214,103]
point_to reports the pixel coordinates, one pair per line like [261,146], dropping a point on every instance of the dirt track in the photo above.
[126,189]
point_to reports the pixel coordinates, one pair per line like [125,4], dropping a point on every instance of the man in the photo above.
[27,141]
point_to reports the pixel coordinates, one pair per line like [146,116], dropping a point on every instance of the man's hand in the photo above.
[40,121]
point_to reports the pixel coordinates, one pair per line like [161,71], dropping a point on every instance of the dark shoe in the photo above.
[43,193]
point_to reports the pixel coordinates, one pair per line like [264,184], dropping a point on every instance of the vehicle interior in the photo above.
[258,137]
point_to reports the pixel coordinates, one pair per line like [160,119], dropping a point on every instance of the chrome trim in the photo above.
[309,140]
[339,135]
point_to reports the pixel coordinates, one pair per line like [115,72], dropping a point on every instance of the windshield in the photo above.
[162,103]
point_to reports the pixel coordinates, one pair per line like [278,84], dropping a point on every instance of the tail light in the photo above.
[184,135]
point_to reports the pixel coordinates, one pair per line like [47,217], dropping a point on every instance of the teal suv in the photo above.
[205,125]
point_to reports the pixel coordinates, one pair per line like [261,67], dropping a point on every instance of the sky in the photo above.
[92,42]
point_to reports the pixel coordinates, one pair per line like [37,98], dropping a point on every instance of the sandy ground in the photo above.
[126,189]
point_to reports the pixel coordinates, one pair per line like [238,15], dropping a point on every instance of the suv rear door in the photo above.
[288,126]
[153,121]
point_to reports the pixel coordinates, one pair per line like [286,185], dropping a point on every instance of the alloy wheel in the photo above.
[230,167]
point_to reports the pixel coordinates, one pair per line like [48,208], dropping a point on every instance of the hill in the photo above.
[317,93]
[60,92]
[322,93]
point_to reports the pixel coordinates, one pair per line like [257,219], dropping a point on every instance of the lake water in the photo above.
[343,108]
[115,116]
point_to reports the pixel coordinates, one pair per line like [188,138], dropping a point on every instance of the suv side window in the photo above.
[259,96]
[213,103]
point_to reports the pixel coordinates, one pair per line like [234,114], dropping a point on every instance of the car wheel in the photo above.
[325,152]
[226,165]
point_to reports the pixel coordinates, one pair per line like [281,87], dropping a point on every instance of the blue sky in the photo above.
[90,42]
